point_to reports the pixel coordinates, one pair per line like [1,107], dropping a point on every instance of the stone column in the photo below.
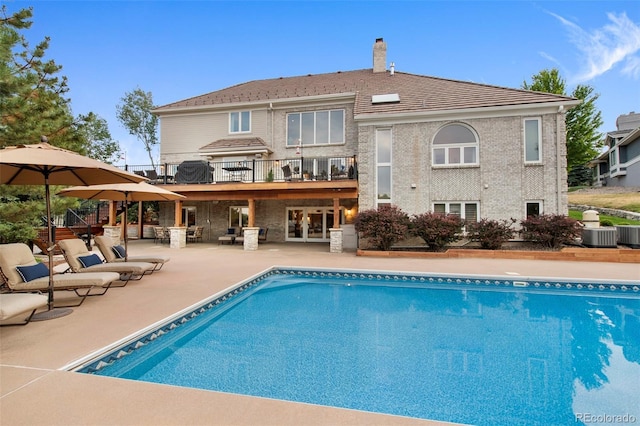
[113,233]
[250,238]
[336,240]
[178,235]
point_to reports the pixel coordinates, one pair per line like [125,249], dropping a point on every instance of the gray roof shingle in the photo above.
[417,93]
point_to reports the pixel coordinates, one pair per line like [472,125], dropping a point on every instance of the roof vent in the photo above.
[385,99]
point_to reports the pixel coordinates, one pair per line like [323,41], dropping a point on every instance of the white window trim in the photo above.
[540,206]
[299,142]
[462,203]
[389,200]
[239,122]
[524,140]
[462,146]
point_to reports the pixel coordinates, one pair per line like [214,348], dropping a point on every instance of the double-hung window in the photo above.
[315,127]
[240,122]
[532,141]
[455,144]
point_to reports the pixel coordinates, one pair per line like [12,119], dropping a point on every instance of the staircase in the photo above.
[84,223]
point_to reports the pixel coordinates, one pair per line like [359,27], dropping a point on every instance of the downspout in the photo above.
[559,118]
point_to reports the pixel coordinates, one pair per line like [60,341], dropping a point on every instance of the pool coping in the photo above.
[96,360]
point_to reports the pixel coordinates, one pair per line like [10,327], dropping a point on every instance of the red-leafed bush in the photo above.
[551,231]
[382,227]
[491,234]
[437,230]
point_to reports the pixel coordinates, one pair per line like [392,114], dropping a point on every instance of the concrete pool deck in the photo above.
[34,391]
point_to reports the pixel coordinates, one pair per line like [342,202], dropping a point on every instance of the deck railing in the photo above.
[255,170]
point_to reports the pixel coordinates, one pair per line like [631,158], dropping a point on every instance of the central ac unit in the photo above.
[629,235]
[600,237]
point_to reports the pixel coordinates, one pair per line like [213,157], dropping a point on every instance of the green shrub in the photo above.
[437,230]
[491,234]
[551,231]
[382,227]
[606,222]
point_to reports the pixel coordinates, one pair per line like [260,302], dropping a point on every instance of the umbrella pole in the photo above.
[50,246]
[126,232]
[51,312]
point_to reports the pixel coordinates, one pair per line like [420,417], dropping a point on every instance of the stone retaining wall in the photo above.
[610,212]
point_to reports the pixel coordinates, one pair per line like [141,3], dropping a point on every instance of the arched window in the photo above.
[455,144]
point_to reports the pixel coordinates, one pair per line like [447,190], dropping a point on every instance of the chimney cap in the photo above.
[379,40]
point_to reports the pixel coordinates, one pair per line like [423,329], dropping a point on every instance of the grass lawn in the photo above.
[577,215]
[629,201]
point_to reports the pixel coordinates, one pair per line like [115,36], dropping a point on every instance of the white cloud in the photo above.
[618,42]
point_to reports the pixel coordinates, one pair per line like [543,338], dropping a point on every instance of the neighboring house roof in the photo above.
[417,93]
[235,145]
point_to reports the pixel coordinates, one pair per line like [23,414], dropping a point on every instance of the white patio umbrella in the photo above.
[126,192]
[44,164]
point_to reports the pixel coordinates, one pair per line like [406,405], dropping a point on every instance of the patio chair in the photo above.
[115,253]
[160,234]
[194,235]
[81,260]
[15,306]
[23,274]
[230,236]
[262,235]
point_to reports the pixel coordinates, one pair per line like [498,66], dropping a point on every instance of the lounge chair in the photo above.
[115,253]
[16,306]
[81,260]
[33,278]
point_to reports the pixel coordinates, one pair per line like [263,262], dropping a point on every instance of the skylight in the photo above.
[384,99]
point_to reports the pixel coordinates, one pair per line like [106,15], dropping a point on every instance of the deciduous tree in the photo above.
[134,112]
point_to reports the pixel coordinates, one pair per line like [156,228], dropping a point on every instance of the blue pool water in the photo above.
[467,350]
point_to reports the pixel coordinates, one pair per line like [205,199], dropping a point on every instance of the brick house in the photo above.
[301,155]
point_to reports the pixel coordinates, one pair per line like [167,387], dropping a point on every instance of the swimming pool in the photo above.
[470,349]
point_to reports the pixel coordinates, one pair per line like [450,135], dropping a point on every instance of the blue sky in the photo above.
[180,49]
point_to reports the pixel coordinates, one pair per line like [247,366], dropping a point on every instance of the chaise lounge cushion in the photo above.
[12,305]
[19,254]
[73,249]
[105,244]
[32,272]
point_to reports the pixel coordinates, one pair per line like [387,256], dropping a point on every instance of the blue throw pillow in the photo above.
[92,259]
[118,251]
[30,273]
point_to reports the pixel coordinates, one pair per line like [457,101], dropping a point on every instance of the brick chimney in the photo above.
[379,55]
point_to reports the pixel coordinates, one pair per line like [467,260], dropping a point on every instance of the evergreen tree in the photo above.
[582,121]
[33,103]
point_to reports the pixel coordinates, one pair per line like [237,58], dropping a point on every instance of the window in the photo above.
[532,142]
[315,128]
[238,217]
[534,208]
[466,210]
[455,144]
[383,166]
[188,216]
[240,122]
